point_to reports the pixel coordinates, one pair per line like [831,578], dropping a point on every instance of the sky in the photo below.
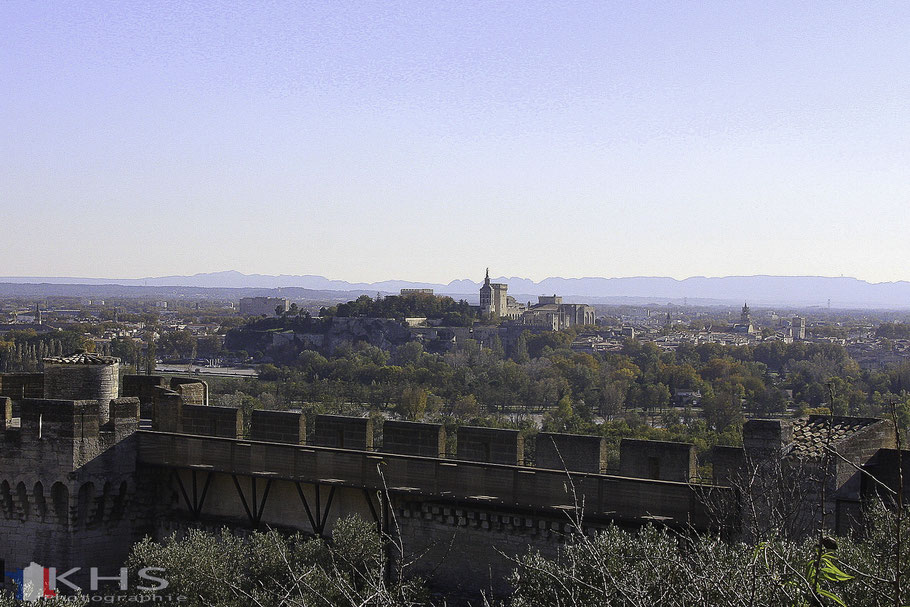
[426,141]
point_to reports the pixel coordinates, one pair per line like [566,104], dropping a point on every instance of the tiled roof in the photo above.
[82,358]
[812,434]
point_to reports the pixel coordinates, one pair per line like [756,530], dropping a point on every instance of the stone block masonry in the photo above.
[167,411]
[767,437]
[414,438]
[727,464]
[6,405]
[492,445]
[573,452]
[77,491]
[144,388]
[22,385]
[658,460]
[192,391]
[83,377]
[344,432]
[225,422]
[66,483]
[461,547]
[278,427]
[123,416]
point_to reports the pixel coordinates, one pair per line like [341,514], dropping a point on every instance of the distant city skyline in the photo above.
[405,141]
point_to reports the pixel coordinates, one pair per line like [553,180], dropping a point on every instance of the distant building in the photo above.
[798,328]
[549,311]
[259,306]
[416,292]
[39,329]
[745,317]
[745,321]
[552,313]
[683,398]
[495,301]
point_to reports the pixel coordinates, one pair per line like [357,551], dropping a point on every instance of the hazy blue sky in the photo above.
[428,140]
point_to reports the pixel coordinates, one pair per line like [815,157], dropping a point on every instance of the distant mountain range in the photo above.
[757,290]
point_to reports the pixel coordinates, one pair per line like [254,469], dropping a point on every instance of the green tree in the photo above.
[180,343]
[209,346]
[270,569]
[466,407]
[413,403]
[723,409]
[520,353]
[561,419]
[127,350]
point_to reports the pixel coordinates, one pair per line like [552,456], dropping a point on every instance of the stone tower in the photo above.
[83,376]
[798,327]
[494,300]
[67,482]
[486,296]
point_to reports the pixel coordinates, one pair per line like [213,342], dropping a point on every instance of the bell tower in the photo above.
[486,295]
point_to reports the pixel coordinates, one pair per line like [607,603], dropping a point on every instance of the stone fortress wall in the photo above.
[82,479]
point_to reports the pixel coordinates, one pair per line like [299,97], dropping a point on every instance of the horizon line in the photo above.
[320,276]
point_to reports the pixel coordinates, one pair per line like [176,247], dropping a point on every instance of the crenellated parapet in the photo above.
[67,480]
[80,482]
[63,435]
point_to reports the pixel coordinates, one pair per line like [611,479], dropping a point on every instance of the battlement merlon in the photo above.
[49,419]
[64,434]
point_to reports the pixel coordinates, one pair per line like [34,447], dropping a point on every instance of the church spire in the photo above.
[746,316]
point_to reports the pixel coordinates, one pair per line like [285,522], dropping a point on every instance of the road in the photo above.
[210,371]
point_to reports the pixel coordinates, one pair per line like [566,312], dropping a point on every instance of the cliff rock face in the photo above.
[380,332]
[277,342]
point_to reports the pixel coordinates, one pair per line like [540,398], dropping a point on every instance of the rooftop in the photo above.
[82,358]
[811,434]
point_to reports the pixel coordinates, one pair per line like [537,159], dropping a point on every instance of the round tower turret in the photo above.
[83,376]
